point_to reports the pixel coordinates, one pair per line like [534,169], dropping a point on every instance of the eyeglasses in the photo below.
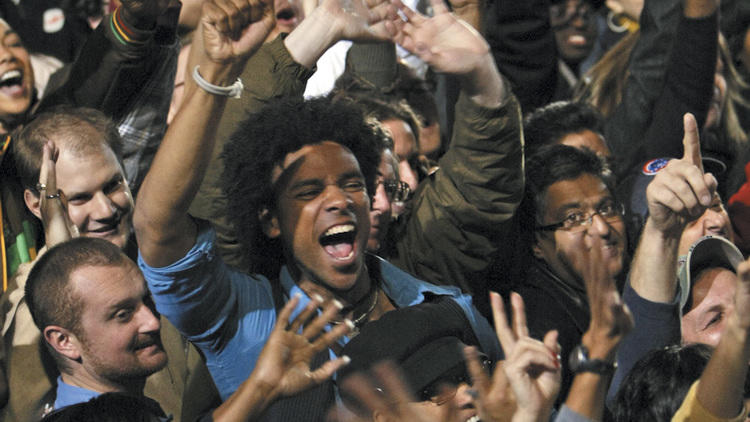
[396,190]
[443,389]
[578,221]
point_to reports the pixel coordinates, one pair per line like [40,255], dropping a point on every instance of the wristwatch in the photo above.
[579,362]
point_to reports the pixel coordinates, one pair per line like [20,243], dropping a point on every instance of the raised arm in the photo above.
[450,45]
[679,193]
[465,205]
[689,80]
[115,62]
[335,20]
[280,69]
[163,227]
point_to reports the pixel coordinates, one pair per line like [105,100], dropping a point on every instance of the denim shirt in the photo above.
[229,315]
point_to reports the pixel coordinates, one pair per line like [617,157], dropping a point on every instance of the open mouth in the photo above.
[338,241]
[11,82]
[474,418]
[285,14]
[287,17]
[577,40]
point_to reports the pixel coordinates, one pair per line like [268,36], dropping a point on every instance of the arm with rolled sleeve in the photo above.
[225,313]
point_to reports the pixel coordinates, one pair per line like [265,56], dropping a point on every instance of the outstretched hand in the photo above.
[681,192]
[531,369]
[443,41]
[235,29]
[52,204]
[284,363]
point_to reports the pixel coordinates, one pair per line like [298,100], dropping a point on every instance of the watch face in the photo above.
[579,362]
[577,358]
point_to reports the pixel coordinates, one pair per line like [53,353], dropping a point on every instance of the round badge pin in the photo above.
[652,167]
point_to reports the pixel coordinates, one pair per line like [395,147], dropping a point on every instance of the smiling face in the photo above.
[561,249]
[711,301]
[118,339]
[99,201]
[322,217]
[575,29]
[16,76]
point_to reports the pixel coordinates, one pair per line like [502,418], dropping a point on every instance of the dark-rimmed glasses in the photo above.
[578,221]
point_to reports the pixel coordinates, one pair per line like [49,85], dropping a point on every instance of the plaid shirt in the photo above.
[143,127]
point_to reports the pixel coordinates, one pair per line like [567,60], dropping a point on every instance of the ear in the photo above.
[33,202]
[63,341]
[535,248]
[270,223]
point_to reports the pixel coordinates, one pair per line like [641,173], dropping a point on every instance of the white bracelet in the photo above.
[234,90]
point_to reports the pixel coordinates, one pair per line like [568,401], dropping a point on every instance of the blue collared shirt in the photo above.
[70,394]
[229,315]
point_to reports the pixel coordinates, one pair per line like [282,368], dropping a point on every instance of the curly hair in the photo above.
[261,143]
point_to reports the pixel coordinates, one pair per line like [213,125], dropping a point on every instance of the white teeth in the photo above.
[10,74]
[473,419]
[344,228]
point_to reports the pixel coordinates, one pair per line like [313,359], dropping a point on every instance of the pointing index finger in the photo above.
[691,141]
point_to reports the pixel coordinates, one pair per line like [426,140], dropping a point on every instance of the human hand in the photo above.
[680,192]
[57,225]
[446,43]
[496,401]
[361,20]
[283,367]
[235,29]
[389,403]
[143,13]
[610,320]
[531,368]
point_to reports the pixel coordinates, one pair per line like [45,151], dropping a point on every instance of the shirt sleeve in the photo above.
[227,314]
[692,410]
[568,415]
